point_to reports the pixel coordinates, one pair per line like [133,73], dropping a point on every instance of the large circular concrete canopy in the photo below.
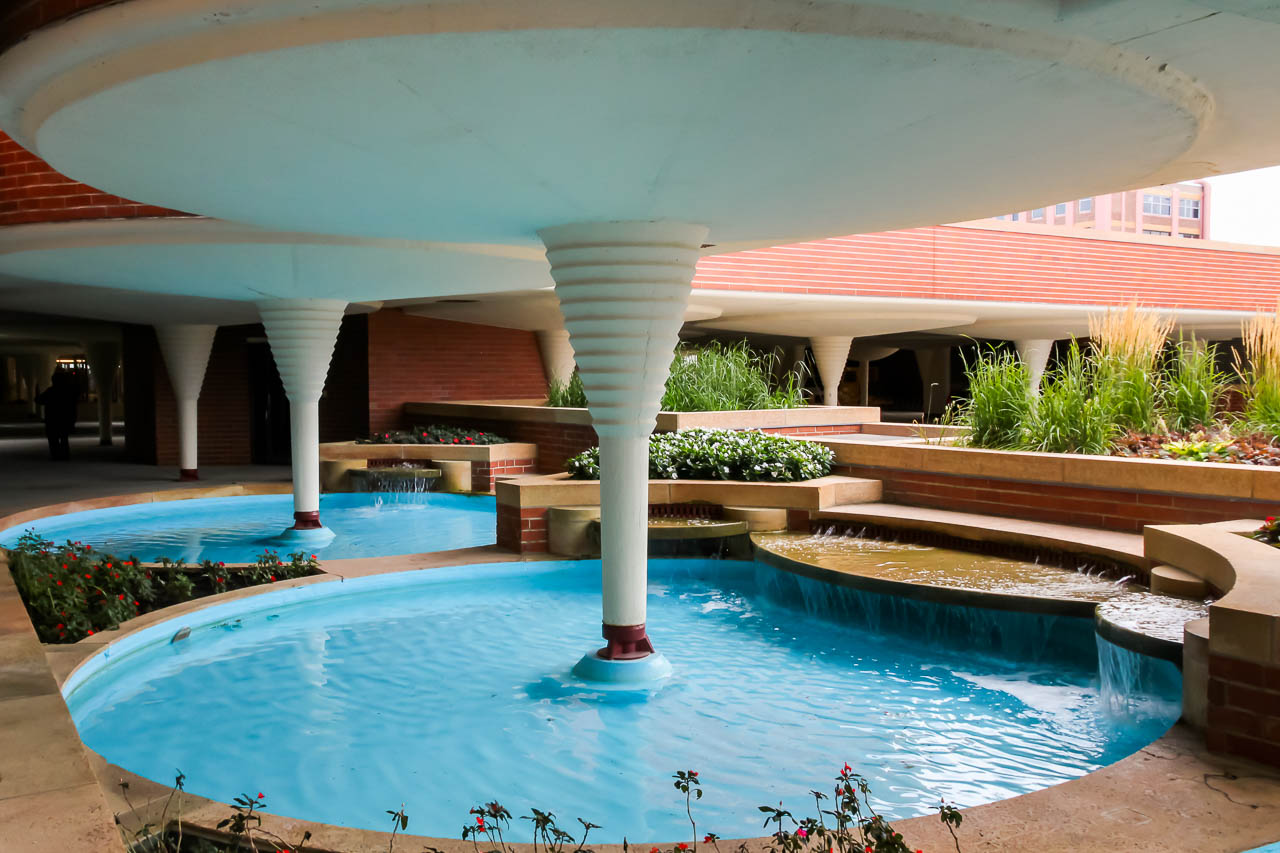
[483,121]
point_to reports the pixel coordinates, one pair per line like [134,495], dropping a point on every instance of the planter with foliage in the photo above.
[72,591]
[434,434]
[715,454]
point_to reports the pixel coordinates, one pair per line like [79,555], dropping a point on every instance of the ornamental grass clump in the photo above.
[567,395]
[1000,401]
[1260,372]
[1126,352]
[1193,386]
[1076,411]
[720,377]
[717,454]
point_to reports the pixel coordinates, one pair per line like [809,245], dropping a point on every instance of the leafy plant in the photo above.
[714,454]
[1127,346]
[1000,401]
[726,377]
[1198,450]
[1192,387]
[1269,532]
[434,434]
[1075,413]
[1260,372]
[567,395]
[72,592]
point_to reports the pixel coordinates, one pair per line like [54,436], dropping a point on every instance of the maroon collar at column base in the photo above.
[308,520]
[624,642]
[185,474]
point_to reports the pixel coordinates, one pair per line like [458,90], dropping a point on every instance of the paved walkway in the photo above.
[28,479]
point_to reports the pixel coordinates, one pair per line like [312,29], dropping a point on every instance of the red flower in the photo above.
[455,441]
[847,768]
[313,556]
[59,583]
[273,578]
[683,846]
[59,626]
[135,604]
[1270,519]
[122,596]
[64,565]
[479,820]
[87,577]
[694,774]
[90,630]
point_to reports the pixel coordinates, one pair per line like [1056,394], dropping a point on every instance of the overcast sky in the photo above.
[1245,207]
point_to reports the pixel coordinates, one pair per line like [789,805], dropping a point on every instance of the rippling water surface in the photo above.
[237,529]
[446,688]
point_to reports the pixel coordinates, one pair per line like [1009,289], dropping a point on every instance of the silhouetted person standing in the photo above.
[59,401]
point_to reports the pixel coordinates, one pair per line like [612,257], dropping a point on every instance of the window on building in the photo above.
[1189,208]
[1085,205]
[1157,233]
[1002,216]
[1013,216]
[1156,205]
[1038,213]
[1190,236]
[1060,209]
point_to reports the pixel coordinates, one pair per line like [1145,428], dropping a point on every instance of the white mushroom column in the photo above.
[186,351]
[557,355]
[103,358]
[1034,353]
[302,334]
[832,354]
[623,288]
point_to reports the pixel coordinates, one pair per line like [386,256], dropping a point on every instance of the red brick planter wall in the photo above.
[1040,501]
[523,529]
[31,191]
[1244,709]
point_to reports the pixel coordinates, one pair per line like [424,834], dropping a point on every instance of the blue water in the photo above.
[445,688]
[237,529]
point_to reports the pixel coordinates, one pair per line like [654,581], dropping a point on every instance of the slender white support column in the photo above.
[1034,353]
[832,354]
[186,351]
[623,288]
[557,354]
[103,358]
[302,334]
[935,377]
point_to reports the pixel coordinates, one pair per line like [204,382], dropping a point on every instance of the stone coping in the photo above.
[1244,623]
[1199,479]
[558,490]
[336,451]
[1170,795]
[235,490]
[539,412]
[1124,548]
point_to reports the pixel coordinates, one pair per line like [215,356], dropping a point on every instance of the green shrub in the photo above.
[72,592]
[717,454]
[711,378]
[1192,388]
[1074,413]
[999,402]
[567,395]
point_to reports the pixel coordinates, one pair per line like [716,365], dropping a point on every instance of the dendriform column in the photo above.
[623,288]
[1034,353]
[302,334]
[557,355]
[186,351]
[103,358]
[831,352]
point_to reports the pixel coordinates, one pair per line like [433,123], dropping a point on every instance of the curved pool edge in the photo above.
[1163,778]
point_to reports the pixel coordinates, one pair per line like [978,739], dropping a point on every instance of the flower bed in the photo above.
[434,434]
[72,592]
[717,454]
[1220,446]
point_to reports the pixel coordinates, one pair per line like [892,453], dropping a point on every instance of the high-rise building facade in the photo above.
[1170,210]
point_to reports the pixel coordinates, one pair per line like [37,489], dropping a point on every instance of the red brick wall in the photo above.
[224,411]
[418,359]
[31,191]
[483,474]
[1040,501]
[1244,709]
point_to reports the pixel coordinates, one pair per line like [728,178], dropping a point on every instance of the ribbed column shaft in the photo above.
[1034,353]
[623,289]
[557,354]
[186,349]
[302,334]
[831,352]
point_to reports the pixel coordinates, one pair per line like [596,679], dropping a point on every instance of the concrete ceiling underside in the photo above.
[468,126]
